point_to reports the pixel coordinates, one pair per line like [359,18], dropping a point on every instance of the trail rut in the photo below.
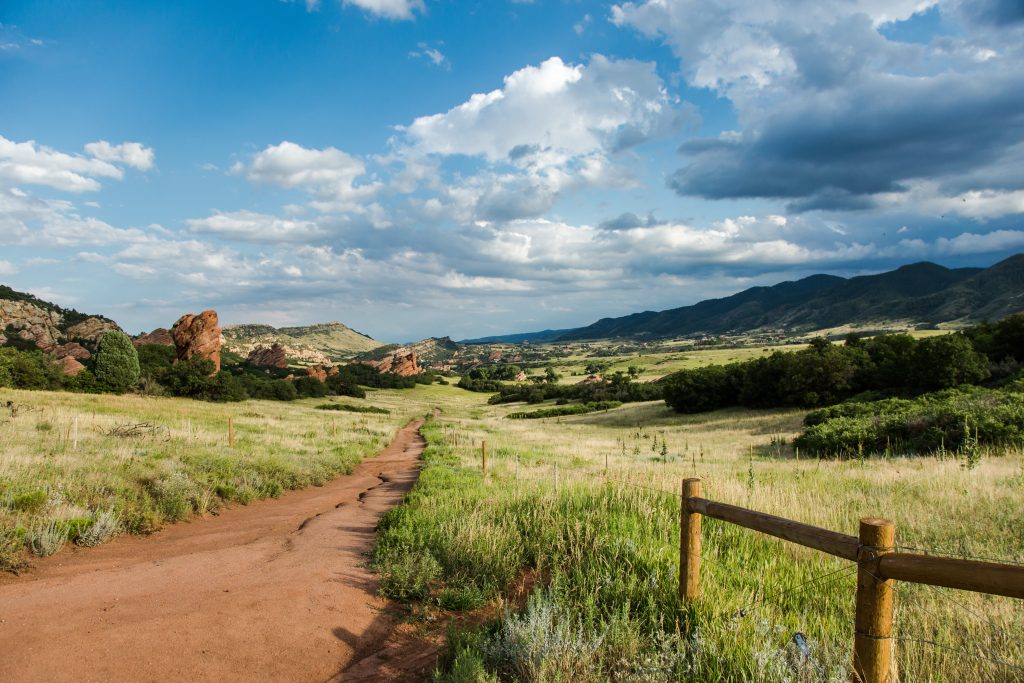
[274,591]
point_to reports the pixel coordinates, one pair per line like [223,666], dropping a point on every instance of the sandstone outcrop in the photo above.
[401,362]
[90,330]
[521,377]
[31,323]
[158,336]
[70,366]
[494,356]
[72,350]
[198,336]
[317,372]
[272,357]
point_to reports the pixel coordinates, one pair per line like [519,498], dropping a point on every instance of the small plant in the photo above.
[104,527]
[409,576]
[47,538]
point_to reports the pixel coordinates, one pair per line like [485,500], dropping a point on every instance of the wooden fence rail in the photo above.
[878,566]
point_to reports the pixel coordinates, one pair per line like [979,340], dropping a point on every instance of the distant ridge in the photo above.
[311,343]
[919,293]
[526,337]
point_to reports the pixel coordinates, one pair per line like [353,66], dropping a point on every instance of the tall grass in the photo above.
[80,468]
[606,552]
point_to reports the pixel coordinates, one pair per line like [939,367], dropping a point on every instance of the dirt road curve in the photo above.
[275,591]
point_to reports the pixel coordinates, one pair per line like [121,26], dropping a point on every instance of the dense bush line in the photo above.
[954,421]
[615,387]
[826,373]
[558,411]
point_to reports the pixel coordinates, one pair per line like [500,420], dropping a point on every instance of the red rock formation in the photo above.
[494,356]
[72,350]
[521,377]
[90,330]
[317,372]
[158,336]
[268,358]
[198,335]
[401,362]
[332,371]
[70,366]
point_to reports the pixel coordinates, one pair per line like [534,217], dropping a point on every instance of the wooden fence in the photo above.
[878,565]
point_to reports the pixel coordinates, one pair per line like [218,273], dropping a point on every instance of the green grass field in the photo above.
[601,552]
[608,550]
[81,468]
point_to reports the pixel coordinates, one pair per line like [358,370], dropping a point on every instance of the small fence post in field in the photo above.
[689,543]
[606,462]
[483,455]
[872,640]
[74,434]
[231,432]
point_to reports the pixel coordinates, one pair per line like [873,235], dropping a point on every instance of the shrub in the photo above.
[102,528]
[29,370]
[353,409]
[117,361]
[558,411]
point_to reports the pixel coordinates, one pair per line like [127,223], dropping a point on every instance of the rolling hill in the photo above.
[311,343]
[919,293]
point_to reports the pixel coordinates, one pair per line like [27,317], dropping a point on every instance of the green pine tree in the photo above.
[117,362]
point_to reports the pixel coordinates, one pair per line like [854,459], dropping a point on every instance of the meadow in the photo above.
[602,550]
[597,556]
[81,468]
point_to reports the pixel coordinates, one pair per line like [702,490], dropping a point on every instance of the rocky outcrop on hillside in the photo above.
[31,323]
[90,330]
[317,372]
[272,357]
[70,366]
[44,327]
[401,362]
[158,336]
[198,335]
[72,350]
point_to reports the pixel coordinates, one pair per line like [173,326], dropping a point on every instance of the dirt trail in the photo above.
[275,591]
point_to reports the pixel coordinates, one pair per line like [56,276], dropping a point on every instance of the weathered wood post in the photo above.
[483,455]
[606,463]
[689,543]
[231,432]
[872,639]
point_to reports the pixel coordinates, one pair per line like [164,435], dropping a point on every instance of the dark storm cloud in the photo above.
[835,149]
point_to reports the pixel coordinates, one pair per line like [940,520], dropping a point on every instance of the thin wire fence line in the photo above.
[964,651]
[927,551]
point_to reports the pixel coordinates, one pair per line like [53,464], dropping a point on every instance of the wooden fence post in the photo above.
[872,639]
[231,432]
[483,455]
[689,543]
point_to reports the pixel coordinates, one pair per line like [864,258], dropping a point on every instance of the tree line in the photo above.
[826,373]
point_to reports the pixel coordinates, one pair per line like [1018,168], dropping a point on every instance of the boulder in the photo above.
[198,336]
[70,366]
[273,357]
[72,350]
[158,336]
[90,330]
[317,372]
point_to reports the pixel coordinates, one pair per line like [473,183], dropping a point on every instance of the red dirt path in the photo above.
[274,591]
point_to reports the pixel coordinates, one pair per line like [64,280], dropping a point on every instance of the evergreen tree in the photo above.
[117,362]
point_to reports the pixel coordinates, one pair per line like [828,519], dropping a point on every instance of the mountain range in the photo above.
[915,294]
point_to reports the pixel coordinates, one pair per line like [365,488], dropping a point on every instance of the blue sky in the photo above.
[429,167]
